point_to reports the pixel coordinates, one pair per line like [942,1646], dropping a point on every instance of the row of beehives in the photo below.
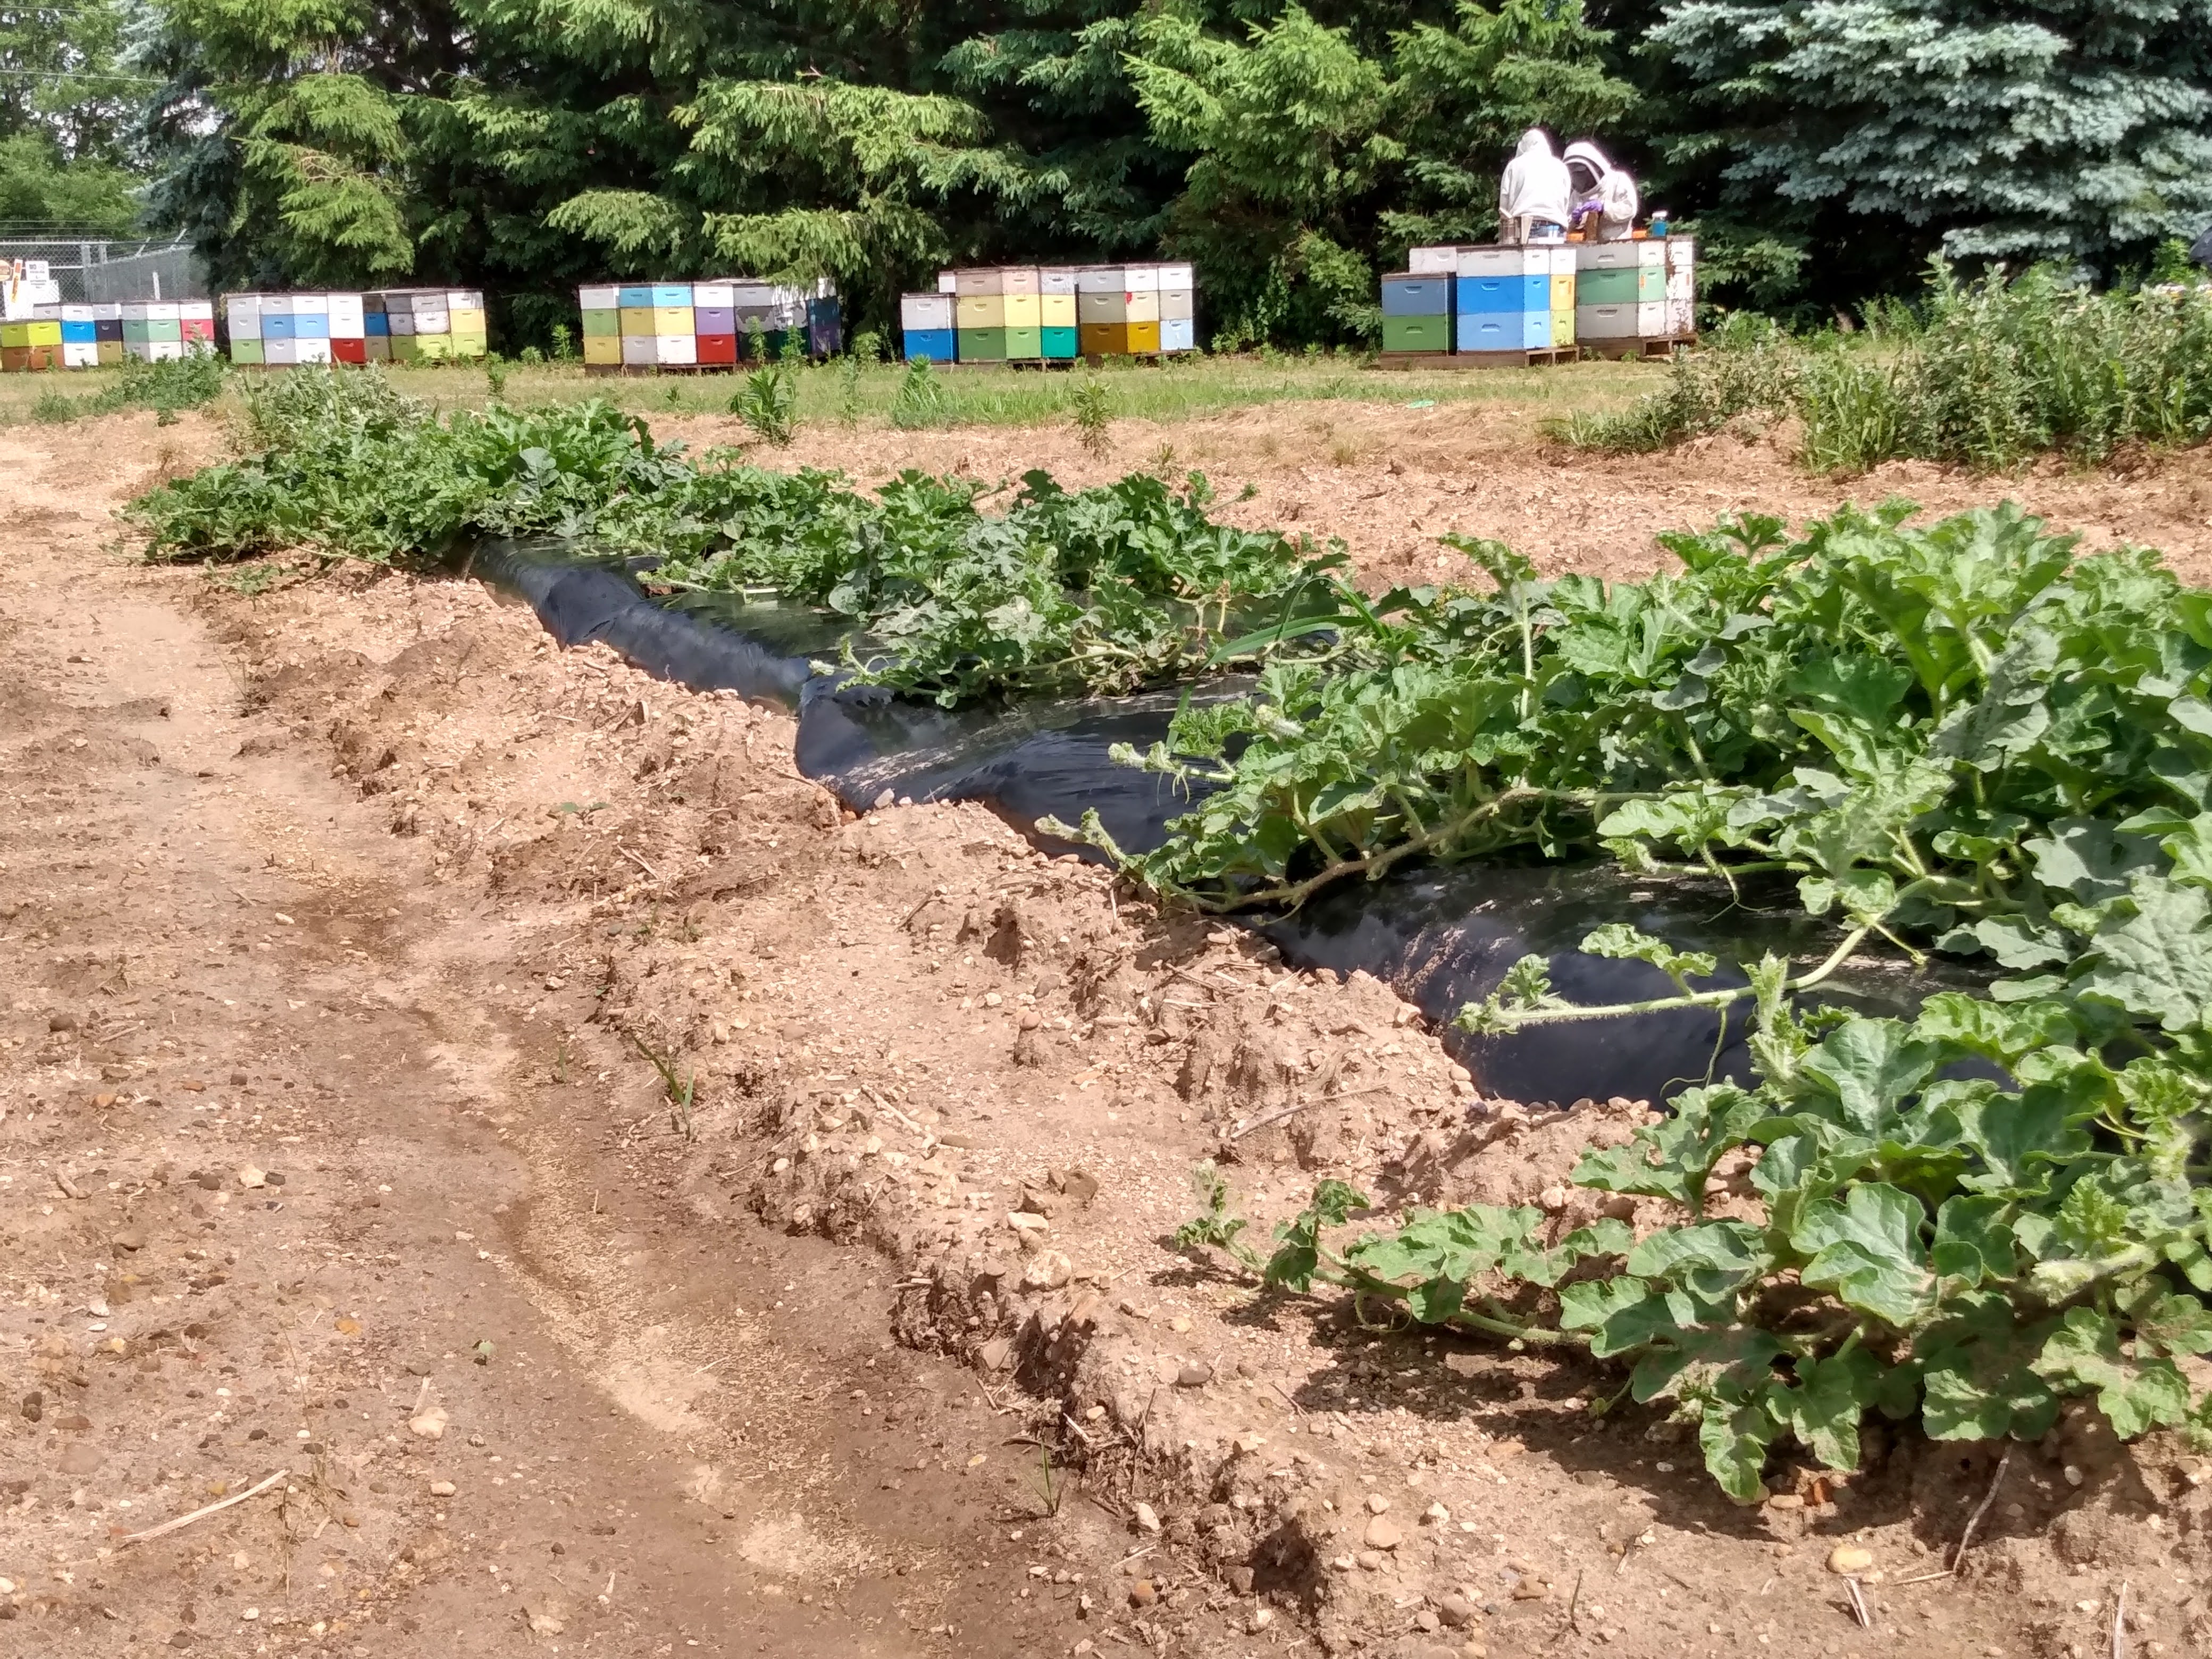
[383,326]
[1529,298]
[1043,313]
[716,324]
[86,336]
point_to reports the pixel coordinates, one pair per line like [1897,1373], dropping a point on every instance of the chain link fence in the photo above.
[105,271]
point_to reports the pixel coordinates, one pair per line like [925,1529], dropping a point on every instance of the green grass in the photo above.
[830,393]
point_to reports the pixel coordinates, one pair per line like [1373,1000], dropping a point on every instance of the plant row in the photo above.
[1958,740]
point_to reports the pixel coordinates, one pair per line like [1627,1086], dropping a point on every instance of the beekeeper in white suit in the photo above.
[1604,197]
[1533,196]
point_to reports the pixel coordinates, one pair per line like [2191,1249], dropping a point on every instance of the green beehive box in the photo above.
[244,352]
[982,345]
[603,322]
[1417,334]
[1618,287]
[1651,284]
[1024,344]
[1058,341]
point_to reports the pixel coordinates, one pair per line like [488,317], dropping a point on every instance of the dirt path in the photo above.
[272,1196]
[409,1026]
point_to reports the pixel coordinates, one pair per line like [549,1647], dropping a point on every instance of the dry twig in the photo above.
[167,1526]
[1974,1521]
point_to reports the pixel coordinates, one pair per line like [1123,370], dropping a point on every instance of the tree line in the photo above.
[1292,151]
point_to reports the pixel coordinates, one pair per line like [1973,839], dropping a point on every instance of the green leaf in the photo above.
[1974,1242]
[1736,1435]
[1867,1250]
[1618,940]
[1864,1070]
[1734,1251]
[2153,955]
[2174,1325]
[2084,1354]
[1831,1395]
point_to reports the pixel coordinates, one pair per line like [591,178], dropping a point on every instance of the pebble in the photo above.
[1426,1620]
[1377,1504]
[1383,1534]
[1030,1021]
[441,1489]
[250,1177]
[1785,1500]
[1850,1559]
[1455,1610]
[1148,1519]
[1260,1619]
[1436,1515]
[130,1238]
[1047,1271]
[1370,1560]
[1193,1375]
[1142,1594]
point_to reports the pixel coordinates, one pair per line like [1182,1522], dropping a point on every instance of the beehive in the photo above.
[1029,313]
[1503,299]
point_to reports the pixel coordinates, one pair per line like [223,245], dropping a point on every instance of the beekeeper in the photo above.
[1604,197]
[1533,196]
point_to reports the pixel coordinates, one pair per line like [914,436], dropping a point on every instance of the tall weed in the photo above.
[1983,375]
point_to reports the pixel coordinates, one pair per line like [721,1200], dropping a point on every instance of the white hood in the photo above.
[1614,193]
[1535,184]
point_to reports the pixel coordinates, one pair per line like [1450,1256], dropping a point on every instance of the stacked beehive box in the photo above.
[928,327]
[716,324]
[1509,299]
[31,342]
[1417,313]
[1051,313]
[1682,288]
[429,325]
[1620,291]
[275,330]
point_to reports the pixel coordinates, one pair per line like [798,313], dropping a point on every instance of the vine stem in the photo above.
[1569,1013]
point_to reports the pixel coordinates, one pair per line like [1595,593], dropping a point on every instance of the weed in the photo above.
[849,393]
[768,402]
[251,581]
[494,377]
[1093,415]
[682,1092]
[561,1061]
[921,399]
[564,344]
[55,408]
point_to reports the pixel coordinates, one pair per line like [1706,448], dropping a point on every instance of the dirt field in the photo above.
[597,1196]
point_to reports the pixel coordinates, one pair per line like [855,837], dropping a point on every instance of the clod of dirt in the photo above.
[1142,1594]
[130,1238]
[1849,1558]
[1193,1375]
[430,1424]
[250,1177]
[61,1022]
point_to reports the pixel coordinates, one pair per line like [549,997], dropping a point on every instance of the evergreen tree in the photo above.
[2077,129]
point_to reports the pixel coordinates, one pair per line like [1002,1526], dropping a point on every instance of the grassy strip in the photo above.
[1983,376]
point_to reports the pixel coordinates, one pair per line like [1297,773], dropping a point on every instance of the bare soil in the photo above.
[434,1059]
[1388,481]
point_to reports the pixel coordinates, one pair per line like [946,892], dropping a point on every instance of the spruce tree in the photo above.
[2065,129]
